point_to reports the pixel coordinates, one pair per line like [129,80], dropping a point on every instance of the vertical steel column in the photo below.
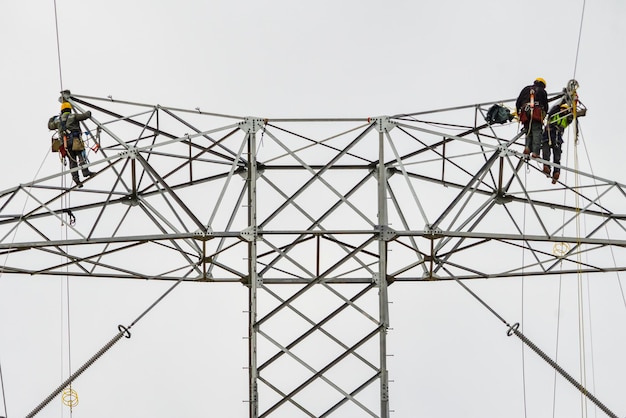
[383,126]
[250,126]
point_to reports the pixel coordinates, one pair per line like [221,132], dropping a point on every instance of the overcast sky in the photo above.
[293,59]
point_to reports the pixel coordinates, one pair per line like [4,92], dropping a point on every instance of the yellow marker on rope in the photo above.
[69,397]
[560,249]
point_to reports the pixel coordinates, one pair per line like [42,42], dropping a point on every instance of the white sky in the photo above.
[288,59]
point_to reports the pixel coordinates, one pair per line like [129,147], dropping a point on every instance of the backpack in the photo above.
[498,114]
[53,122]
[531,110]
[58,122]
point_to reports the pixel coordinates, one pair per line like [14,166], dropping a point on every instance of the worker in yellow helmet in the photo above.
[532,106]
[559,118]
[68,125]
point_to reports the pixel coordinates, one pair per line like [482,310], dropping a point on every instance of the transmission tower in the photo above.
[316,218]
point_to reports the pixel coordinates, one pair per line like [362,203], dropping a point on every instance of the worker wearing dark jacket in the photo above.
[69,129]
[559,118]
[532,106]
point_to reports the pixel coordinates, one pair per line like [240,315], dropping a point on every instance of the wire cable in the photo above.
[56,23]
[580,31]
[4,400]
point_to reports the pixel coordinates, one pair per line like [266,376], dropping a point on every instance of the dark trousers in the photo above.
[76,157]
[533,136]
[551,143]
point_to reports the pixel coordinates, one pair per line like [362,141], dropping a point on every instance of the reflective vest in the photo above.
[561,119]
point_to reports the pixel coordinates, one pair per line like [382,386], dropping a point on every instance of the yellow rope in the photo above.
[581,319]
[581,324]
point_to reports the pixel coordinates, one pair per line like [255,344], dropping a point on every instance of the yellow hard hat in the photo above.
[65,105]
[564,106]
[541,80]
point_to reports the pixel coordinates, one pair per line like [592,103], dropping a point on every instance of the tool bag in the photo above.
[77,143]
[498,114]
[56,144]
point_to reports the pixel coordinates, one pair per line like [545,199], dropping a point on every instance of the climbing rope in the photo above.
[581,330]
[606,229]
[559,249]
[583,367]
[70,397]
[579,278]
[556,345]
[522,297]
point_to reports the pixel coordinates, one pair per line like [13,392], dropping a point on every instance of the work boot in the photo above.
[526,150]
[87,173]
[546,170]
[534,155]
[79,183]
[555,177]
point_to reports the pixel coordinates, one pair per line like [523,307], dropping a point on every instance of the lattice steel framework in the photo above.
[316,217]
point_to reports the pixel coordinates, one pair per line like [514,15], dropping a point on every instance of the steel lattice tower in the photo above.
[316,217]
